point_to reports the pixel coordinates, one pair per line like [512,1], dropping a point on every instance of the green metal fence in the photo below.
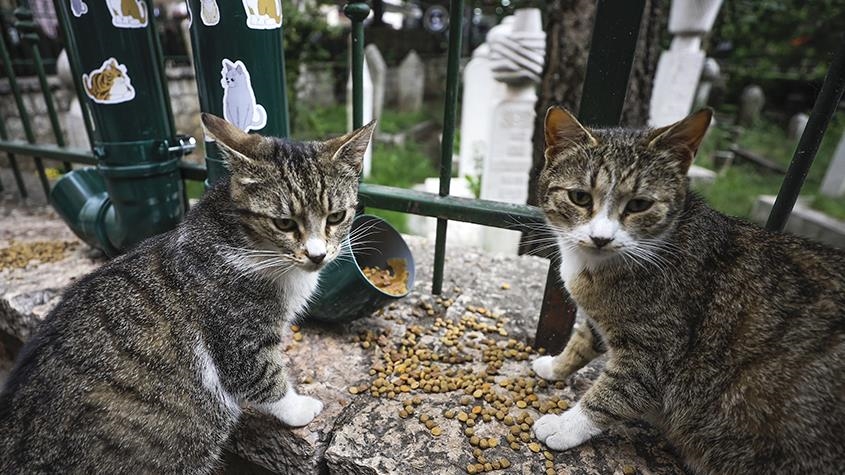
[611,56]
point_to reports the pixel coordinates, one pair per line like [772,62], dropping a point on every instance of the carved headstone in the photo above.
[796,126]
[680,69]
[479,96]
[750,105]
[411,83]
[834,179]
[378,74]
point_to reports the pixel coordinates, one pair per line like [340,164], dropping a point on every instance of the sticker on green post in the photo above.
[239,105]
[78,8]
[209,12]
[128,13]
[263,14]
[109,84]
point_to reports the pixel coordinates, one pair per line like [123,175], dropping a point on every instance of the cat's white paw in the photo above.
[544,367]
[296,410]
[570,429]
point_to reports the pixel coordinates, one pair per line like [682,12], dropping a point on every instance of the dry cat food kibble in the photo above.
[393,280]
[18,254]
[492,406]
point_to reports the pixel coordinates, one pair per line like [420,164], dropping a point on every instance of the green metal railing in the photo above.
[609,65]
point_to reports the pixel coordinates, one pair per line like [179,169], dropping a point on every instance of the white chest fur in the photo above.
[572,263]
[297,287]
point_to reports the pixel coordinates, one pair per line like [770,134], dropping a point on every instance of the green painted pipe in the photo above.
[135,191]
[238,58]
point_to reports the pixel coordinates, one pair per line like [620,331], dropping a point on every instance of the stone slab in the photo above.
[803,221]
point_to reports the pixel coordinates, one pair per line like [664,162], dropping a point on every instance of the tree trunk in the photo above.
[569,27]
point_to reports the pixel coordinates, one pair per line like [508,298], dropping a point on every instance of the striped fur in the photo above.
[143,365]
[728,337]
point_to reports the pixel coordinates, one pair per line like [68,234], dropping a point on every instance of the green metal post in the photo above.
[29,35]
[236,49]
[136,190]
[23,113]
[456,14]
[357,12]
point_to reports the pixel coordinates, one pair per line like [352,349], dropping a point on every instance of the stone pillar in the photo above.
[680,68]
[480,94]
[73,122]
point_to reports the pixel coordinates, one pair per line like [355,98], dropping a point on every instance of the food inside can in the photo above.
[393,280]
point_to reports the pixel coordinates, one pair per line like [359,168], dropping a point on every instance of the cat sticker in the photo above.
[78,8]
[209,12]
[263,14]
[109,84]
[128,13]
[239,106]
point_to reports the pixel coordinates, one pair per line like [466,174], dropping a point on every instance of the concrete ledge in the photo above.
[359,433]
[804,221]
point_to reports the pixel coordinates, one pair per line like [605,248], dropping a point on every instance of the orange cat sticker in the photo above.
[109,84]
[263,14]
[128,13]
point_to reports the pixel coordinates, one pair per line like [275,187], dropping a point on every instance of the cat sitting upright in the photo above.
[729,338]
[144,364]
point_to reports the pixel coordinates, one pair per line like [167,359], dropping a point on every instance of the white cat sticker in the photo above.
[263,14]
[109,84]
[128,13]
[209,12]
[239,106]
[78,8]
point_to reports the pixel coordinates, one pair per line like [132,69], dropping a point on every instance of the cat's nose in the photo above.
[316,258]
[600,242]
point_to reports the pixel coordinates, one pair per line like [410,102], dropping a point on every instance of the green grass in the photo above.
[736,190]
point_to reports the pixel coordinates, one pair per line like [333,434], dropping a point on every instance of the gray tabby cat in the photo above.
[729,338]
[144,364]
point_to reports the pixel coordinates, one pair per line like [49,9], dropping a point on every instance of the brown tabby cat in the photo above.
[109,84]
[728,337]
[145,363]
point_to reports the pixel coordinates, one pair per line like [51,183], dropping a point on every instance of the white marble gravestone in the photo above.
[516,58]
[368,112]
[750,105]
[411,83]
[378,74]
[834,179]
[679,69]
[796,126]
[480,94]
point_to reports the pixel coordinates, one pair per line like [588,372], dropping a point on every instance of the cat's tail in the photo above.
[259,117]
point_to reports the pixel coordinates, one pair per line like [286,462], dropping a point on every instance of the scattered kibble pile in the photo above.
[462,356]
[393,280]
[18,254]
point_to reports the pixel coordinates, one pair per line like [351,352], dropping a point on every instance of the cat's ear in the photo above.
[685,135]
[563,130]
[239,67]
[239,146]
[350,148]
[228,64]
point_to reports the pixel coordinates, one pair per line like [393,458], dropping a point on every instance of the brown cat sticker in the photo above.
[263,14]
[128,13]
[109,84]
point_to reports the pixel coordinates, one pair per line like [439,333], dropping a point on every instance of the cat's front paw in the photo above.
[296,410]
[544,367]
[570,429]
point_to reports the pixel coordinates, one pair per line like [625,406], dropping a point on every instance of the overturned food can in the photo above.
[375,268]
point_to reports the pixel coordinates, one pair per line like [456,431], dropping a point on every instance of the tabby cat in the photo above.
[128,13]
[729,338]
[144,364]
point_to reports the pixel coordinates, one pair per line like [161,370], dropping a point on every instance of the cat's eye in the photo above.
[638,205]
[336,217]
[580,198]
[285,224]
